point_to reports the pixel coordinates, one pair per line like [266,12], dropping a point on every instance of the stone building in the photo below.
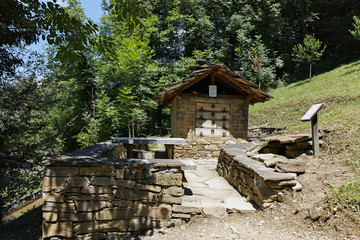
[211,104]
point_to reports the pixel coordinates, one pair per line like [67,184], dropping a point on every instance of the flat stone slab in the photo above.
[189,164]
[288,138]
[234,205]
[147,140]
[211,193]
[269,159]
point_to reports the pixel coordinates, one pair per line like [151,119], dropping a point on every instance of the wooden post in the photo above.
[311,115]
[129,150]
[169,151]
[315,135]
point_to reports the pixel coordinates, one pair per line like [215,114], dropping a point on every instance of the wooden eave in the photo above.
[253,94]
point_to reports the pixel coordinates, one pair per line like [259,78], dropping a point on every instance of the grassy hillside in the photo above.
[340,90]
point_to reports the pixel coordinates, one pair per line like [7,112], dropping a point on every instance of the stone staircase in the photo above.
[209,194]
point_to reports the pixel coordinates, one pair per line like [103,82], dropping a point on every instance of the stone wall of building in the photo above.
[88,197]
[252,178]
[183,114]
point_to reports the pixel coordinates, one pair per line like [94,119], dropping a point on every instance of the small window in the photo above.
[212,90]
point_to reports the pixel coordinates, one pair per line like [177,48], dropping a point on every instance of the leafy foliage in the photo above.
[311,50]
[356,31]
[346,198]
[24,22]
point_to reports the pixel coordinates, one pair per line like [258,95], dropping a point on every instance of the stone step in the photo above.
[209,194]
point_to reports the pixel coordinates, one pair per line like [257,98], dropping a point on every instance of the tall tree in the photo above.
[24,22]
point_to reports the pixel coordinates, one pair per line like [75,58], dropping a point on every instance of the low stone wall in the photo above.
[252,178]
[88,197]
[203,147]
[259,132]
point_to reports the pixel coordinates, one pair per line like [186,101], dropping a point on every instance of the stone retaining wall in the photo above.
[88,197]
[259,132]
[252,178]
[203,147]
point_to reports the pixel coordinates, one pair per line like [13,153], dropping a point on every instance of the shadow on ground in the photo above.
[26,227]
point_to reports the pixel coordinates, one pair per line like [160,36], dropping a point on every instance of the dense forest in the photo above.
[97,81]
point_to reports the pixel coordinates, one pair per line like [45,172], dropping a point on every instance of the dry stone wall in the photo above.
[252,178]
[88,197]
[202,147]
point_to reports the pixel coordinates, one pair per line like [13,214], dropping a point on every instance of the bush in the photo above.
[15,183]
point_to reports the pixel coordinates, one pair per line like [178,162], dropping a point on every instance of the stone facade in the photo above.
[252,178]
[183,115]
[88,197]
[183,124]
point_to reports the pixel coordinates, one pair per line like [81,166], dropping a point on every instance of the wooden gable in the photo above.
[227,82]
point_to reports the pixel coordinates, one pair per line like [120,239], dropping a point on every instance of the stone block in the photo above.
[103,170]
[96,190]
[53,182]
[122,203]
[114,226]
[53,189]
[126,183]
[87,227]
[103,181]
[211,148]
[186,209]
[167,179]
[202,142]
[62,229]
[140,224]
[113,214]
[80,197]
[262,190]
[135,195]
[77,182]
[174,191]
[216,154]
[136,174]
[161,211]
[181,215]
[146,187]
[50,216]
[53,197]
[104,197]
[73,190]
[164,198]
[51,171]
[58,207]
[291,166]
[119,173]
[87,206]
[77,217]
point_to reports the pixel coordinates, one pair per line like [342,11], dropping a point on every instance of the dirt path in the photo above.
[300,216]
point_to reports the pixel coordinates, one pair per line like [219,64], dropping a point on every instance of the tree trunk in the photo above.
[310,70]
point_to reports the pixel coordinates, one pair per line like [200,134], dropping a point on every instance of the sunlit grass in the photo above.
[340,90]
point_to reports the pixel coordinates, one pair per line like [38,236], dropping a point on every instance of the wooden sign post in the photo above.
[311,115]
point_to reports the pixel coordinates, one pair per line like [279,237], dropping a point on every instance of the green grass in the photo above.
[340,90]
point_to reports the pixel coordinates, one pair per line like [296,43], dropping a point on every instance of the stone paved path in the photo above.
[213,194]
